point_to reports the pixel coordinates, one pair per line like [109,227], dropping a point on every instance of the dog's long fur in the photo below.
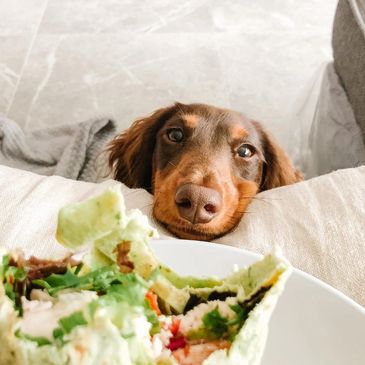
[142,157]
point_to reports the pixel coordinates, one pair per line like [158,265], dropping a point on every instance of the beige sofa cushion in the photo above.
[319,223]
[29,205]
[348,42]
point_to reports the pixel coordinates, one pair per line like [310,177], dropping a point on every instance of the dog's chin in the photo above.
[181,228]
[194,232]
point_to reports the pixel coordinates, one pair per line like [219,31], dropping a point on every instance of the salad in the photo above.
[112,302]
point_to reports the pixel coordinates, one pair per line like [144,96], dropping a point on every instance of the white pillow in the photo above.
[319,223]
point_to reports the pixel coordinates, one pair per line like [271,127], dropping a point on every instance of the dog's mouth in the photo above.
[200,232]
[217,227]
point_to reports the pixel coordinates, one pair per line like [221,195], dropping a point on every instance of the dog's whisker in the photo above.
[146,206]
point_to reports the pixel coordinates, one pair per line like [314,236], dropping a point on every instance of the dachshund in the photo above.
[203,165]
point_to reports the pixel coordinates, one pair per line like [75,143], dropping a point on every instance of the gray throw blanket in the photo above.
[71,151]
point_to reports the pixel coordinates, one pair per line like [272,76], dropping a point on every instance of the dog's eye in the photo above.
[245,151]
[175,134]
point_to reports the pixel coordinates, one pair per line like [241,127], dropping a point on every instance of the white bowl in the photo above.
[313,323]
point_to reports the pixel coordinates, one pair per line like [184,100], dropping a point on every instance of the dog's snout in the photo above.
[197,204]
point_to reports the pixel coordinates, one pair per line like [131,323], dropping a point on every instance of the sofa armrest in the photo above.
[348,42]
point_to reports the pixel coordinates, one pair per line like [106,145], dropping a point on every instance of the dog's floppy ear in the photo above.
[130,153]
[278,170]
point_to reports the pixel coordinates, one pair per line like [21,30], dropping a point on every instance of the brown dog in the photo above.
[203,164]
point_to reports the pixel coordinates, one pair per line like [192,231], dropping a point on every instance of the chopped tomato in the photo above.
[176,343]
[174,326]
[152,299]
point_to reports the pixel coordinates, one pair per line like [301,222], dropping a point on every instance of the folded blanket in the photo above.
[71,151]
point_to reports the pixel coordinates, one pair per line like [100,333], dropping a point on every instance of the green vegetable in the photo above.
[214,322]
[56,282]
[10,273]
[242,314]
[15,274]
[131,290]
[98,280]
[152,318]
[41,341]
[216,326]
[114,286]
[188,281]
[4,265]
[67,324]
[12,277]
[80,224]
[9,291]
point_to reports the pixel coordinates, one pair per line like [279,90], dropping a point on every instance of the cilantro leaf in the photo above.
[217,326]
[214,322]
[98,280]
[57,282]
[242,314]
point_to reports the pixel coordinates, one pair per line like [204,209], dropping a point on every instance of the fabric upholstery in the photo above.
[348,42]
[318,223]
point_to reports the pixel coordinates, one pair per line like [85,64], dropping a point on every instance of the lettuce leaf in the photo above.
[82,223]
[40,341]
[67,324]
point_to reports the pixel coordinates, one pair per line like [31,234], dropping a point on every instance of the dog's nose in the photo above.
[197,204]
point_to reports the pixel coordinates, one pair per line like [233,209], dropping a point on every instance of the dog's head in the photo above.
[203,164]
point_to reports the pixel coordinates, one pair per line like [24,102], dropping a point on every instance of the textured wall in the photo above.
[63,61]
